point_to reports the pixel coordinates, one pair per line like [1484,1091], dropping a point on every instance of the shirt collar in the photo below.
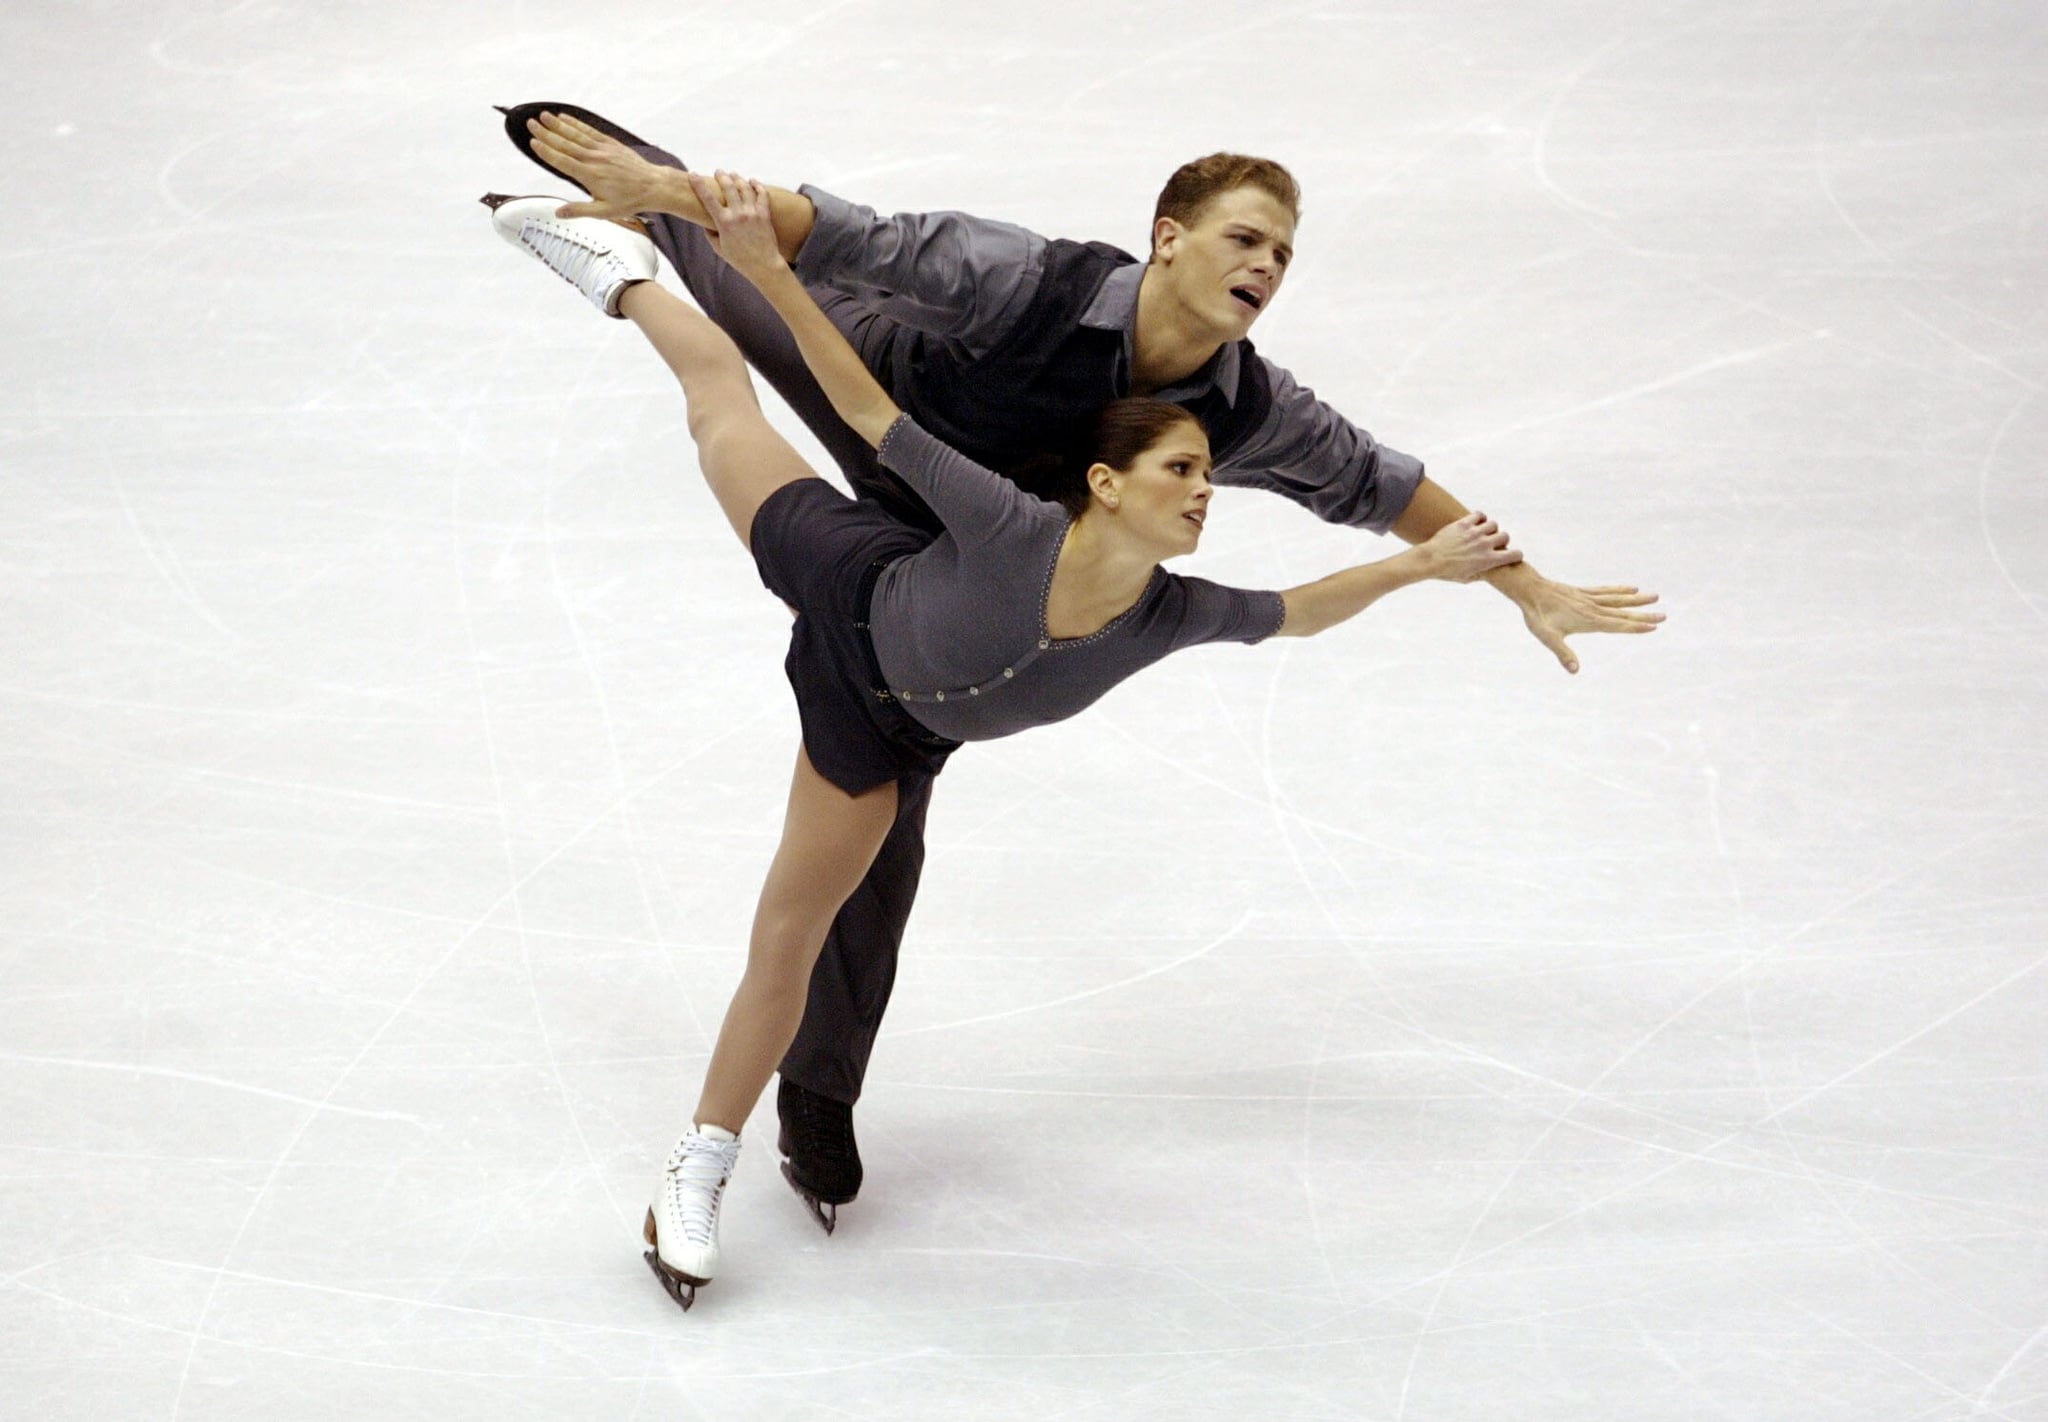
[1115,308]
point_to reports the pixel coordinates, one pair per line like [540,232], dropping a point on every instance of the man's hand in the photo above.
[1555,611]
[620,182]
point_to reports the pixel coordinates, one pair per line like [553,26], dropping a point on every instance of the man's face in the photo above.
[1226,268]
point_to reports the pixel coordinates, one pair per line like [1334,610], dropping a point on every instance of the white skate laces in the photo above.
[600,259]
[695,1182]
[682,1223]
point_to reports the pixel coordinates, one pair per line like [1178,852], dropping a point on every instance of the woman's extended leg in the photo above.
[828,840]
[743,457]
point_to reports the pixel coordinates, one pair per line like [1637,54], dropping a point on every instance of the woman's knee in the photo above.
[785,944]
[724,411]
[791,927]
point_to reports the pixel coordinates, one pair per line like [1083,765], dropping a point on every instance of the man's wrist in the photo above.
[1518,581]
[674,196]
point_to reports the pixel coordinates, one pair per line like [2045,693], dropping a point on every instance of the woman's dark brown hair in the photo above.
[1124,430]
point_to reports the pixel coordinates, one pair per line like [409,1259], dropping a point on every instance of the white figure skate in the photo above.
[682,1223]
[600,259]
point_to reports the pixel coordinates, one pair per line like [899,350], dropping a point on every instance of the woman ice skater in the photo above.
[1021,613]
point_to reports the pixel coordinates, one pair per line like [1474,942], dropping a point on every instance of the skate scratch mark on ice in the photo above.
[1983,1399]
[352,1357]
[1539,147]
[19,1277]
[463,456]
[1965,347]
[1634,392]
[165,562]
[1936,1025]
[852,179]
[568,1325]
[1177,1382]
[1283,811]
[1119,77]
[1148,747]
[1578,1097]
[1984,507]
[569,399]
[1032,1256]
[1704,1156]
[1830,72]
[1083,996]
[200,1078]
[1486,300]
[1889,1356]
[1827,188]
[239,1276]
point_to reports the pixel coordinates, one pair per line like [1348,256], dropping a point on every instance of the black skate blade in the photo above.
[494,201]
[679,1288]
[816,1205]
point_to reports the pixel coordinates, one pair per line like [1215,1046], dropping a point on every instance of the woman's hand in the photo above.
[742,223]
[1468,548]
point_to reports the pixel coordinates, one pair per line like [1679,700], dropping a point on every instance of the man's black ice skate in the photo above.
[515,129]
[821,1161]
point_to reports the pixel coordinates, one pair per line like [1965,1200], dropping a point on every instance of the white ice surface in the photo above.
[1389,1026]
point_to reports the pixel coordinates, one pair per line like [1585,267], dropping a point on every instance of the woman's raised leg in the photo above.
[743,457]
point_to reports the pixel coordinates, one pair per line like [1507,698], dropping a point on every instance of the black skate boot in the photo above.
[515,129]
[679,241]
[822,1163]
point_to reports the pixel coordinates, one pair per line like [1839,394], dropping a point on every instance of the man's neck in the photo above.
[1168,345]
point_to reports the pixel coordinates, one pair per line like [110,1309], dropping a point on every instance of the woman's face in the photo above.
[1163,498]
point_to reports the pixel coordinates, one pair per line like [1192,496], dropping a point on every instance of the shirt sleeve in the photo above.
[976,504]
[1216,613]
[1307,452]
[962,278]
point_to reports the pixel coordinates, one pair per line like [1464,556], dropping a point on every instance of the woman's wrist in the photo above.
[1413,565]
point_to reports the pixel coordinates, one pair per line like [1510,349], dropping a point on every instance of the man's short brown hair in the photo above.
[1195,185]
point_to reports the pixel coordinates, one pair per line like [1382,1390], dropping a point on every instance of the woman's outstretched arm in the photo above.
[743,231]
[1461,551]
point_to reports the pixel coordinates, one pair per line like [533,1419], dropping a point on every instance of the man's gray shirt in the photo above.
[966,279]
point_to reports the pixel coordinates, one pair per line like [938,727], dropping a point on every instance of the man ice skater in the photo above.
[1000,343]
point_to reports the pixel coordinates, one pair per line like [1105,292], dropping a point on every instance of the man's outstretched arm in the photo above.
[1552,611]
[1307,452]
